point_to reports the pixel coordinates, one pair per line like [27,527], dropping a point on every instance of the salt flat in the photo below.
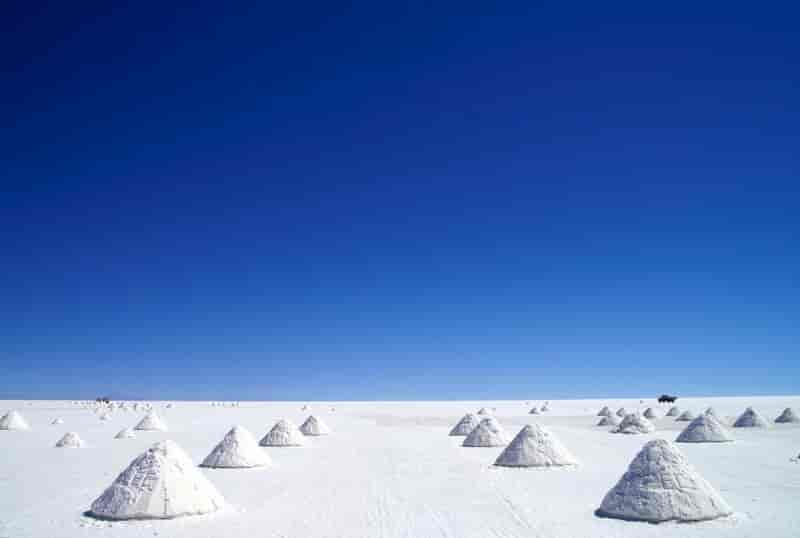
[389,469]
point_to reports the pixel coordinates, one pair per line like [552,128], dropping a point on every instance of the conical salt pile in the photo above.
[283,433]
[711,411]
[674,411]
[787,416]
[314,426]
[604,412]
[238,449]
[13,421]
[483,411]
[535,446]
[162,483]
[70,440]
[686,416]
[705,429]
[152,422]
[488,433]
[650,413]
[660,485]
[610,420]
[751,419]
[467,423]
[534,411]
[57,421]
[127,433]
[634,424]
[621,412]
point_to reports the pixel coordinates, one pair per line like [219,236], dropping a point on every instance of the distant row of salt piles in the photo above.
[659,485]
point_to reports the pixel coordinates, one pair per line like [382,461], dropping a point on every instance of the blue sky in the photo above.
[407,202]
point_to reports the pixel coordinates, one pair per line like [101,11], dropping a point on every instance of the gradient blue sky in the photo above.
[399,201]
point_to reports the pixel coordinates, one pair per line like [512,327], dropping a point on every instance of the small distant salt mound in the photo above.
[686,416]
[545,407]
[13,421]
[238,449]
[535,446]
[70,440]
[604,412]
[483,411]
[660,485]
[162,483]
[314,426]
[488,433]
[650,413]
[751,419]
[283,433]
[621,412]
[534,411]
[467,423]
[787,416]
[152,422]
[57,421]
[105,416]
[674,411]
[705,429]
[610,420]
[127,433]
[633,424]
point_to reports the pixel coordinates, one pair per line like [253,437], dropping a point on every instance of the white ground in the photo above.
[389,469]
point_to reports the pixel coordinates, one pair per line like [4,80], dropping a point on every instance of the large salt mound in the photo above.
[751,419]
[705,429]
[70,440]
[686,416]
[238,449]
[467,423]
[127,433]
[634,424]
[488,433]
[604,412]
[787,416]
[674,411]
[13,421]
[162,483]
[283,433]
[314,426]
[661,485]
[611,420]
[535,446]
[152,422]
[621,412]
[650,413]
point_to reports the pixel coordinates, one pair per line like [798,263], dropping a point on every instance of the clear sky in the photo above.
[399,201]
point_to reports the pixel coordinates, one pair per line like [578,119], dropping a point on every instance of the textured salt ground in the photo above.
[391,470]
